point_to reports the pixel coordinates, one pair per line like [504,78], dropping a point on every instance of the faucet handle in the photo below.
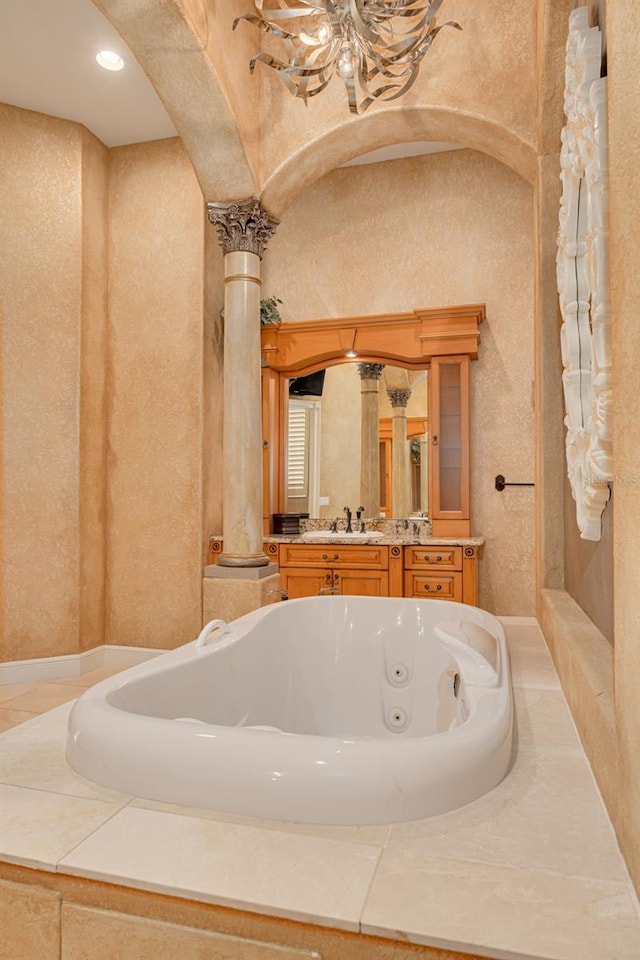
[359,512]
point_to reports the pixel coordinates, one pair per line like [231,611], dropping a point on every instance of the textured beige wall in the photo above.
[450,228]
[155,419]
[623,27]
[53,209]
[588,565]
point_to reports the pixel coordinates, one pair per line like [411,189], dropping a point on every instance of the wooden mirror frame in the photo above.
[409,340]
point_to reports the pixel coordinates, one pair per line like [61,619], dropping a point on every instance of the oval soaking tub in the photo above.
[337,710]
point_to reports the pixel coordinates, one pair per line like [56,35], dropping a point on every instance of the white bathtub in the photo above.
[338,710]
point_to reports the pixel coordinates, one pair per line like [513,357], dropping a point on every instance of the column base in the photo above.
[231,597]
[243,560]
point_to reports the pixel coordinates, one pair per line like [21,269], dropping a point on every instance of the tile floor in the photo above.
[23,701]
[530,870]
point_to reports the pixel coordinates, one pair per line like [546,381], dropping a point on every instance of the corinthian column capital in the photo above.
[370,371]
[242,225]
[399,398]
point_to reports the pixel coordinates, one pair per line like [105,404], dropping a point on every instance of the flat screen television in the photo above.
[309,386]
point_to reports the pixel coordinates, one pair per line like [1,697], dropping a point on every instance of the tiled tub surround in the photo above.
[530,870]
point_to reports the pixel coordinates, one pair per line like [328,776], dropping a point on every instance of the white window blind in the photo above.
[298,452]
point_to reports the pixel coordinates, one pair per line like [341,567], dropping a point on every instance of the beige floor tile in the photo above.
[545,815]
[10,690]
[88,679]
[34,756]
[305,878]
[44,697]
[11,718]
[375,835]
[38,828]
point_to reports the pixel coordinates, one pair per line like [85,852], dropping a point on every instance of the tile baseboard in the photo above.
[74,664]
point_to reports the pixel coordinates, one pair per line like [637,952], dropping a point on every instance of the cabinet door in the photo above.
[449,449]
[362,583]
[305,582]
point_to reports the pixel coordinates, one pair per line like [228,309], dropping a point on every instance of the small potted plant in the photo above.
[269,312]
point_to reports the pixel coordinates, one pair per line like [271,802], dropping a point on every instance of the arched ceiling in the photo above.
[197,81]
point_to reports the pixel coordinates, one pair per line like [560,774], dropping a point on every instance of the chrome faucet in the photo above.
[359,513]
[349,527]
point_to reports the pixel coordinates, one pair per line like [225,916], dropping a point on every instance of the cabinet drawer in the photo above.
[447,586]
[440,558]
[334,555]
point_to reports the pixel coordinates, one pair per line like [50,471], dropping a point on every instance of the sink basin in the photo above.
[341,535]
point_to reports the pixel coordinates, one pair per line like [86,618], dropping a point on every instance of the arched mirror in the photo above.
[329,450]
[352,415]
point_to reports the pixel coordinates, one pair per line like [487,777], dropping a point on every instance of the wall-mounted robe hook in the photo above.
[501,483]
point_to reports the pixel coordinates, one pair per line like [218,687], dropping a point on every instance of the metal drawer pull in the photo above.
[336,556]
[427,586]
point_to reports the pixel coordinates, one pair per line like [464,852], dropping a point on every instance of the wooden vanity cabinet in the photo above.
[445,572]
[441,573]
[362,570]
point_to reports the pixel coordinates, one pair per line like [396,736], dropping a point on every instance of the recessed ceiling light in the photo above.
[110,60]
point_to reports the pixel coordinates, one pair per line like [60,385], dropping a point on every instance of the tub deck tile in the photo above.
[502,912]
[271,872]
[38,828]
[33,755]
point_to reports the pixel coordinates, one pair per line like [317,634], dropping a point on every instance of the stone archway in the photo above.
[166,43]
[388,126]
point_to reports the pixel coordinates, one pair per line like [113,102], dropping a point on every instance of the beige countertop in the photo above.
[383,541]
[530,870]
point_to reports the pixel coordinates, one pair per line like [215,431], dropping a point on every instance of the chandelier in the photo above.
[375,46]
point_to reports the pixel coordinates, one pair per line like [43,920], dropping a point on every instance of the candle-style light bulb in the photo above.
[346,61]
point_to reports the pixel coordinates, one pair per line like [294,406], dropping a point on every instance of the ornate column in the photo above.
[370,374]
[244,230]
[400,457]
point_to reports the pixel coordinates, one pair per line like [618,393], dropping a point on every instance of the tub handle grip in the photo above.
[208,629]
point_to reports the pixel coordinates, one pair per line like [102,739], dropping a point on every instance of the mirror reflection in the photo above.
[357,435]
